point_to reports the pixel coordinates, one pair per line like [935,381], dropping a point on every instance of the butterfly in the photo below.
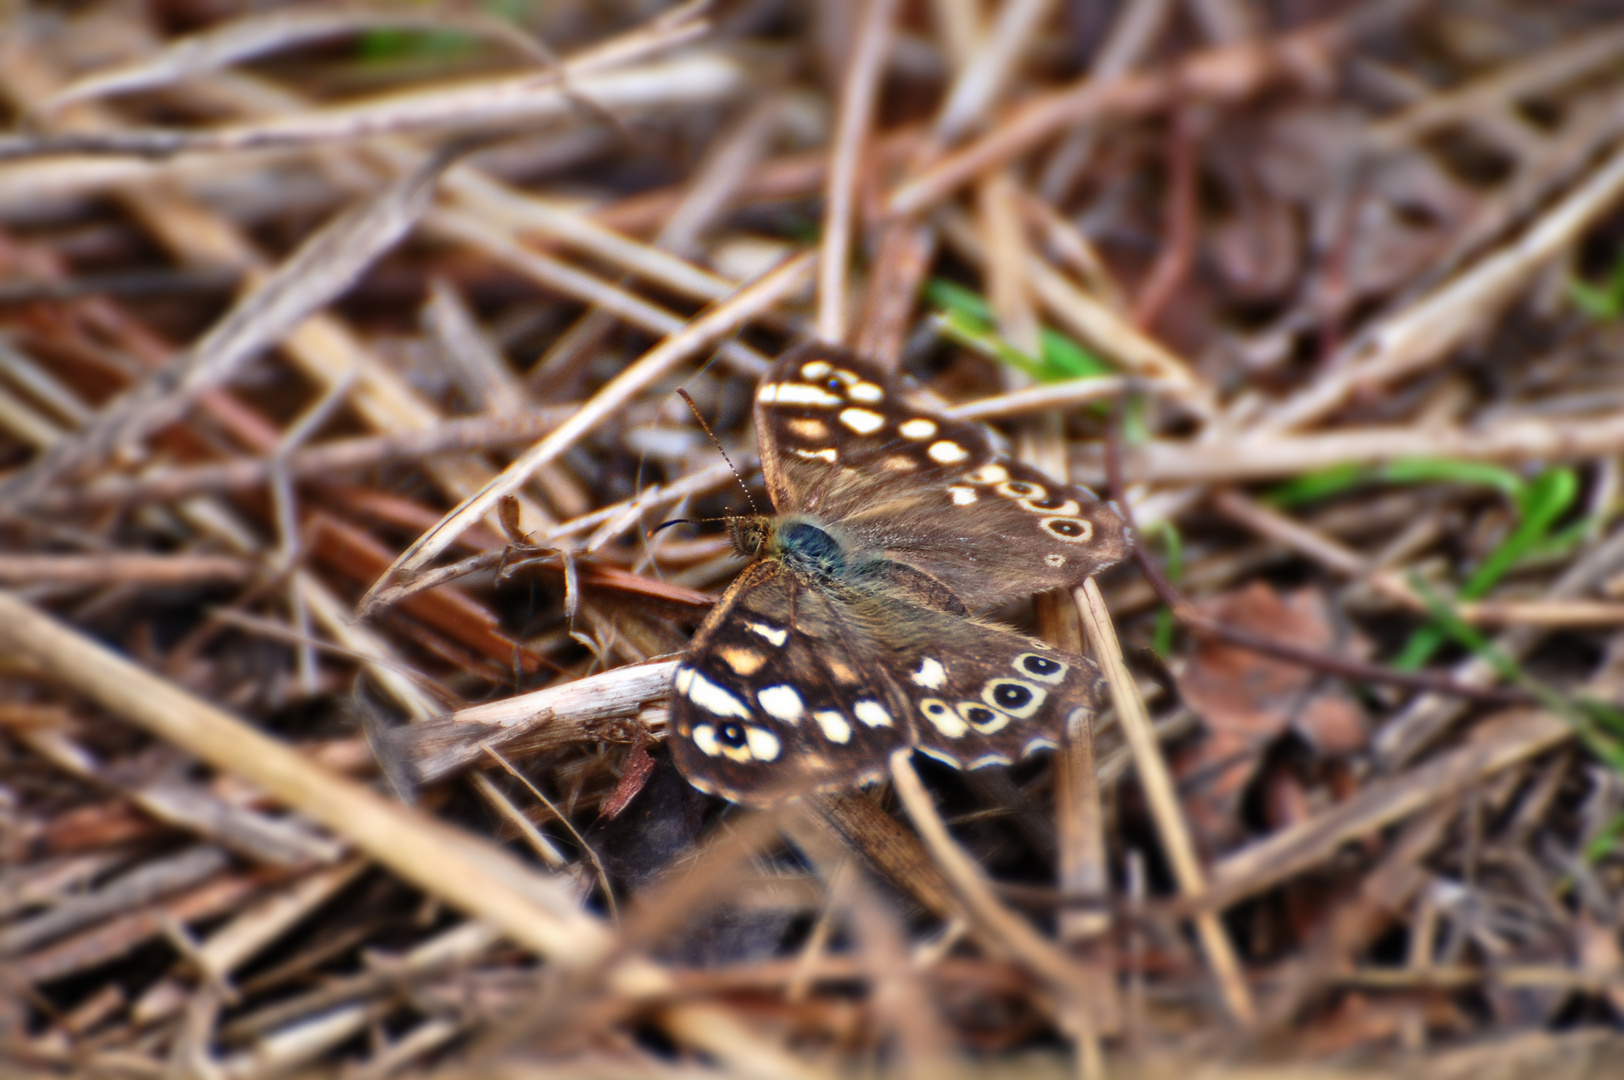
[857,627]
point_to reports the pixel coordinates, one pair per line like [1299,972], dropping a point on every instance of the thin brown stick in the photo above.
[721,320]
[1157,784]
[1271,456]
[326,264]
[858,91]
[569,826]
[458,867]
[1189,617]
[971,887]
[123,568]
[1178,246]
[1226,74]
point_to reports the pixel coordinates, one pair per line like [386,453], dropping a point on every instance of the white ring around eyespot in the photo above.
[1084,537]
[1000,719]
[1021,712]
[943,718]
[1011,489]
[1067,509]
[1052,678]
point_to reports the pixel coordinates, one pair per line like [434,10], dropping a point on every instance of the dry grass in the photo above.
[338,349]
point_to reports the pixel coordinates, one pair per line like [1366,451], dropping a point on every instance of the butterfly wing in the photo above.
[781,692]
[795,685]
[977,694]
[839,440]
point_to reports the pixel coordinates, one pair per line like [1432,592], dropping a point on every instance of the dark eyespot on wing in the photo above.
[1012,696]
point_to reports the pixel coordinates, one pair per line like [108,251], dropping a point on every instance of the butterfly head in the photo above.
[750,533]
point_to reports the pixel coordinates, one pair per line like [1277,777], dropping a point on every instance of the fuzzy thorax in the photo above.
[804,546]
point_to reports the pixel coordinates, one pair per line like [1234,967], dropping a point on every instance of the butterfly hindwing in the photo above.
[978,694]
[841,441]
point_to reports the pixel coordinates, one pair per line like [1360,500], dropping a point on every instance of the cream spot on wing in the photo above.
[792,393]
[947,452]
[872,713]
[773,634]
[931,674]
[844,673]
[919,428]
[809,428]
[705,738]
[782,703]
[684,679]
[1056,561]
[740,753]
[815,369]
[866,392]
[988,474]
[714,699]
[827,454]
[943,719]
[862,421]
[742,661]
[899,463]
[962,496]
[835,728]
[763,744]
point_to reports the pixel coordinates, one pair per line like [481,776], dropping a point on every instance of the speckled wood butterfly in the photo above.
[853,632]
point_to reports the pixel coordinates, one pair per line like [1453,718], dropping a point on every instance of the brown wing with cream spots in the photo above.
[978,694]
[790,688]
[839,440]
[780,693]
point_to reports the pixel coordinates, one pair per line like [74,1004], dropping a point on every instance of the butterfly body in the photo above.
[854,630]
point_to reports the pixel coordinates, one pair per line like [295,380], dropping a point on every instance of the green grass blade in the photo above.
[1174,568]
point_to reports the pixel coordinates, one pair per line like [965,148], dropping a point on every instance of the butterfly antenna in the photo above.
[718,444]
[664,525]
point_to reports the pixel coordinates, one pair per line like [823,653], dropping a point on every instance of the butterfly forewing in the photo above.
[781,692]
[841,441]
